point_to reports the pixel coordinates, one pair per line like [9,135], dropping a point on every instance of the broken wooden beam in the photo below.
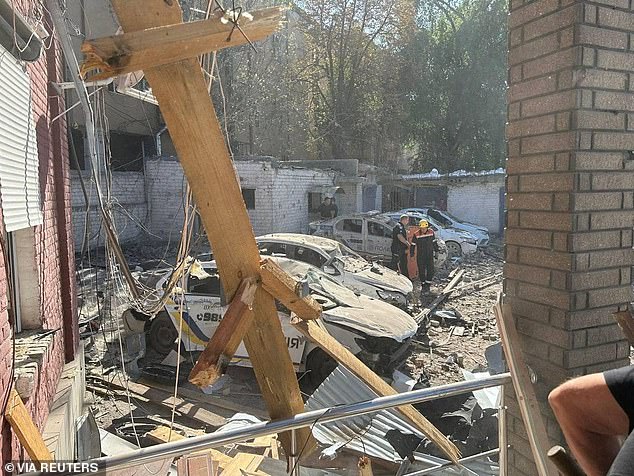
[526,399]
[565,464]
[287,290]
[24,428]
[184,101]
[320,336]
[139,50]
[222,346]
[447,290]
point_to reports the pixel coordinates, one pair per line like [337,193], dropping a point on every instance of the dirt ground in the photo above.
[446,345]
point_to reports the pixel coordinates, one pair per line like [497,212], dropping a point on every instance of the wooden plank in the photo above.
[286,290]
[166,399]
[222,346]
[320,336]
[365,466]
[626,323]
[140,50]
[197,465]
[24,428]
[244,462]
[181,91]
[529,406]
[447,290]
[565,464]
[162,434]
[198,396]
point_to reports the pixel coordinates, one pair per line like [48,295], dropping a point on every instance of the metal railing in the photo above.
[213,440]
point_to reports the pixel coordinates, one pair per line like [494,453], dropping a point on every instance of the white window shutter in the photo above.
[19,164]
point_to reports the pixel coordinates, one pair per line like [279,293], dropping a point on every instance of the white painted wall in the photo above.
[476,202]
[129,210]
[281,195]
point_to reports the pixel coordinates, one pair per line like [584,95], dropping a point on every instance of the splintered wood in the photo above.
[529,406]
[222,346]
[184,100]
[285,289]
[24,428]
[138,50]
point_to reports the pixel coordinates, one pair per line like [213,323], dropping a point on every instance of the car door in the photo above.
[379,238]
[203,304]
[350,232]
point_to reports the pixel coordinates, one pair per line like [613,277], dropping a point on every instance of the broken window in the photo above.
[209,285]
[350,225]
[378,229]
[127,151]
[314,200]
[248,194]
[309,256]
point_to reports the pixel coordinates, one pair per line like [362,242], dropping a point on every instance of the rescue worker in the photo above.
[426,247]
[325,209]
[400,245]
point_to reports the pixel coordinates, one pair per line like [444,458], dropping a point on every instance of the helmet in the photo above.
[423,224]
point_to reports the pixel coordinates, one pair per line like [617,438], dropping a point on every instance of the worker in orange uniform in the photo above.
[426,247]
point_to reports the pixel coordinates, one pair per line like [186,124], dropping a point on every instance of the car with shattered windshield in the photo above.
[447,220]
[342,264]
[375,331]
[369,234]
[458,242]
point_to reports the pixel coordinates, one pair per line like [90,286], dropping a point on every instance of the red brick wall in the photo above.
[570,184]
[53,243]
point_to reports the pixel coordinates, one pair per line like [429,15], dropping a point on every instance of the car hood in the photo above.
[374,318]
[384,278]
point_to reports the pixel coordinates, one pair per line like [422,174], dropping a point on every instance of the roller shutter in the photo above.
[19,165]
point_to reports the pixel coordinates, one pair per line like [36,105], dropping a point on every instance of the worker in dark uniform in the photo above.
[325,209]
[400,245]
[426,247]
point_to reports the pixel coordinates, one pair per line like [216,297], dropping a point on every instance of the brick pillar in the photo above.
[570,188]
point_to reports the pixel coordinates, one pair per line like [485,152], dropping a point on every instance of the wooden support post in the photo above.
[139,50]
[222,346]
[565,464]
[313,331]
[183,98]
[365,466]
[26,431]
[285,289]
[529,406]
[447,290]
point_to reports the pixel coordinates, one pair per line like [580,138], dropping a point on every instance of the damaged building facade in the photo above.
[41,356]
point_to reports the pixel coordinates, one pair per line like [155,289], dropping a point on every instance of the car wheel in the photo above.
[453,248]
[162,334]
[319,365]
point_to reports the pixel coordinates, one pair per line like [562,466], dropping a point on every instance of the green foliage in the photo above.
[374,80]
[457,104]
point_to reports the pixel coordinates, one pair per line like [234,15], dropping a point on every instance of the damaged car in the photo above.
[458,242]
[378,333]
[369,234]
[342,264]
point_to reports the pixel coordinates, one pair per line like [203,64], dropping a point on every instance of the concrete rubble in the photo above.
[449,346]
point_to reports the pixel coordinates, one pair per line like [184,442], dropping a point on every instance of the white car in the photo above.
[369,234]
[375,331]
[447,220]
[458,242]
[342,264]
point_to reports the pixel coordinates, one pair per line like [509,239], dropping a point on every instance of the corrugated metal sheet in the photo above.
[19,166]
[366,433]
